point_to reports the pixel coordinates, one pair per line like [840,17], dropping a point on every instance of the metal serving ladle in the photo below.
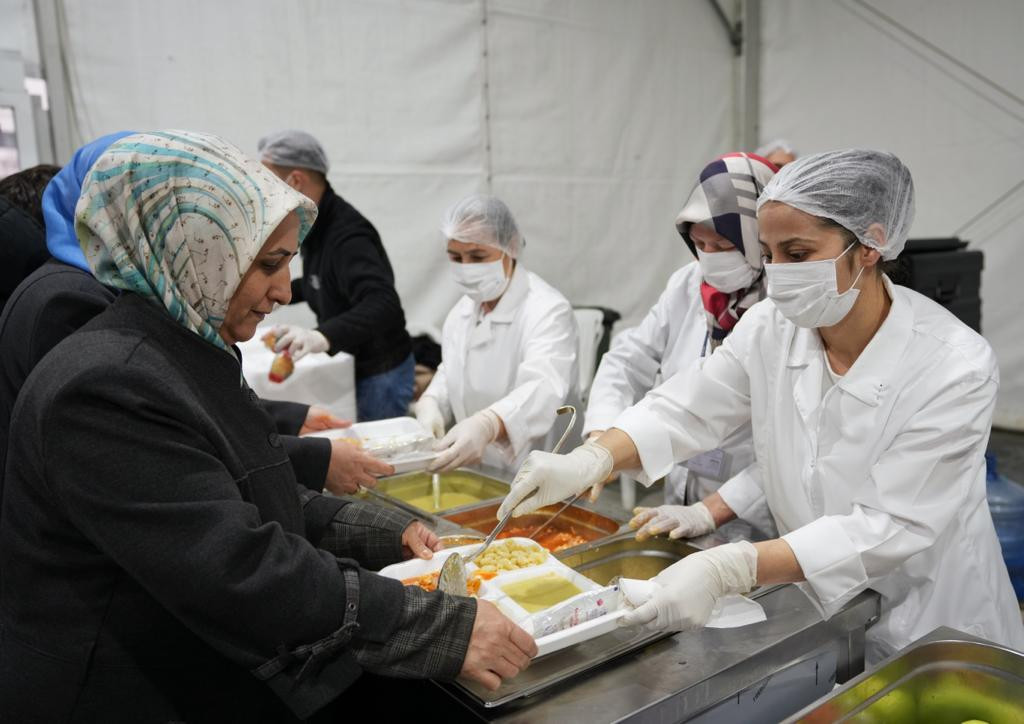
[435,488]
[452,578]
[549,521]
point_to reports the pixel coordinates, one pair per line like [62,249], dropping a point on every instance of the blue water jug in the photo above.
[1006,502]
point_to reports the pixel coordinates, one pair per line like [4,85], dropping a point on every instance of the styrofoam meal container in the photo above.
[400,441]
[490,590]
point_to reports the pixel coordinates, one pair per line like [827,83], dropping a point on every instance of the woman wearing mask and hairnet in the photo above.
[700,306]
[871,407]
[508,347]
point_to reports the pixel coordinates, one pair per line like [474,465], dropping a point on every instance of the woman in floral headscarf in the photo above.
[702,303]
[158,557]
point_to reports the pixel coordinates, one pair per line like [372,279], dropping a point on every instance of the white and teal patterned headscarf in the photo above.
[178,217]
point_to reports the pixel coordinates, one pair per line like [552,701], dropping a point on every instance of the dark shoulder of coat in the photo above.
[54,301]
[99,639]
[22,247]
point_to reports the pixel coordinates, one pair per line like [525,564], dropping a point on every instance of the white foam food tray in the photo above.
[379,434]
[491,590]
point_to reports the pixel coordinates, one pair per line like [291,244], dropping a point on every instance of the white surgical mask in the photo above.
[807,293]
[482,281]
[726,271]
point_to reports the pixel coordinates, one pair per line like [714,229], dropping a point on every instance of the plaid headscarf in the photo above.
[726,200]
[178,217]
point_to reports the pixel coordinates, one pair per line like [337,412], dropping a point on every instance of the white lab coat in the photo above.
[519,361]
[878,483]
[669,338]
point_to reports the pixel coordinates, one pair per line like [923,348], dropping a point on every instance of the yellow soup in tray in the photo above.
[449,499]
[540,592]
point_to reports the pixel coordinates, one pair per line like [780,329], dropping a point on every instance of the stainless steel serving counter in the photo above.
[945,676]
[762,672]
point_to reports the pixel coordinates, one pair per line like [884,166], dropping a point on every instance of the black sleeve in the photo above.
[319,511]
[367,532]
[434,631]
[288,417]
[358,267]
[310,458]
[297,295]
[159,503]
[431,641]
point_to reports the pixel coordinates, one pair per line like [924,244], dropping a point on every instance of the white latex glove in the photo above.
[679,521]
[465,443]
[429,414]
[687,591]
[556,477]
[299,341]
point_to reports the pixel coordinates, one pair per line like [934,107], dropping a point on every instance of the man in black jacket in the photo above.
[348,283]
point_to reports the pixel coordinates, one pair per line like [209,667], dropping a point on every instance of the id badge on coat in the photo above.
[713,464]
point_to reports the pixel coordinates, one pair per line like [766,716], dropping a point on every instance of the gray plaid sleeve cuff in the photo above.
[431,639]
[366,532]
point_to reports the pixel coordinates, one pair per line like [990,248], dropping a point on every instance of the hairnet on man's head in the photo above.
[856,188]
[295,149]
[481,219]
[777,144]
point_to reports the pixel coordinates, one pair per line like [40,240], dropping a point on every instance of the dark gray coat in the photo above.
[54,301]
[155,548]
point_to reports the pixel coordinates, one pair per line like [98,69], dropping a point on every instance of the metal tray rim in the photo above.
[942,636]
[637,641]
[558,554]
[408,508]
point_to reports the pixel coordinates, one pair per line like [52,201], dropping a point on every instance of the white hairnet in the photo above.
[778,144]
[296,149]
[480,219]
[856,188]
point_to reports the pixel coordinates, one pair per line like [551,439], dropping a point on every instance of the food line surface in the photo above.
[725,673]
[474,502]
[762,672]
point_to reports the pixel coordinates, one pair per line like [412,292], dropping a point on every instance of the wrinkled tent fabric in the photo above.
[592,150]
[596,181]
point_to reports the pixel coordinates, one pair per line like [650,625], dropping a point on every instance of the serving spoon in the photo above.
[452,578]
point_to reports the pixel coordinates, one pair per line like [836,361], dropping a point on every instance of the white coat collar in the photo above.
[870,377]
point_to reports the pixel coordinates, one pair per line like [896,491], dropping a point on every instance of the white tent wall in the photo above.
[937,82]
[590,118]
[392,90]
[602,114]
